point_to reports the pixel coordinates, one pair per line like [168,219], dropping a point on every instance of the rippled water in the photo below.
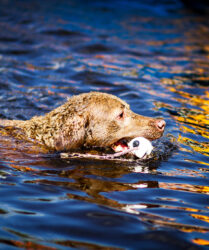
[154,56]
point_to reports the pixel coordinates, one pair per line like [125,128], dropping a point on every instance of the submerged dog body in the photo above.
[88,120]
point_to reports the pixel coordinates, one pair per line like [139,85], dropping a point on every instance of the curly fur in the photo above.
[87,120]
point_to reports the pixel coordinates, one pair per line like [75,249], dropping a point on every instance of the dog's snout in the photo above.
[160,124]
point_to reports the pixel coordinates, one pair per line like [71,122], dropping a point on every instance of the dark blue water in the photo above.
[152,54]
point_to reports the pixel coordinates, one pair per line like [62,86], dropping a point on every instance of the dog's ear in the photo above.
[71,135]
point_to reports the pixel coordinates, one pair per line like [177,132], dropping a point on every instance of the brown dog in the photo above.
[91,120]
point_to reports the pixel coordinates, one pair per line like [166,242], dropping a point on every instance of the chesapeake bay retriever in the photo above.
[87,120]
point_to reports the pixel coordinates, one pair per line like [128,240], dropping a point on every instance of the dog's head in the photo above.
[101,120]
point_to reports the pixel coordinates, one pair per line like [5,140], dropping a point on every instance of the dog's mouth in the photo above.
[121,145]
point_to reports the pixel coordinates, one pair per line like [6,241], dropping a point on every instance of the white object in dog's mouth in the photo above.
[142,145]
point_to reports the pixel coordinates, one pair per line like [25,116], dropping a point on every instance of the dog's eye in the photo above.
[121,115]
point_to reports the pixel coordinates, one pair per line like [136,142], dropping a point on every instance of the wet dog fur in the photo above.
[88,120]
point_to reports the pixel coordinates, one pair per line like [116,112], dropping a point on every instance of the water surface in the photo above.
[155,57]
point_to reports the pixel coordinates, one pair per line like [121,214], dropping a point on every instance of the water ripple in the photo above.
[155,57]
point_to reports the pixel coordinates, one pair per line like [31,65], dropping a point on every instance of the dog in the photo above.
[87,120]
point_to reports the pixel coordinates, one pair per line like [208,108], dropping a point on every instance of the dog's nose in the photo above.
[160,124]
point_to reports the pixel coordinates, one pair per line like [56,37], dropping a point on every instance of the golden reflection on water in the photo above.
[201,217]
[185,187]
[196,213]
[192,120]
[202,242]
[184,172]
[194,116]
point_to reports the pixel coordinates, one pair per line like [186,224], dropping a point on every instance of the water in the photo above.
[155,57]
